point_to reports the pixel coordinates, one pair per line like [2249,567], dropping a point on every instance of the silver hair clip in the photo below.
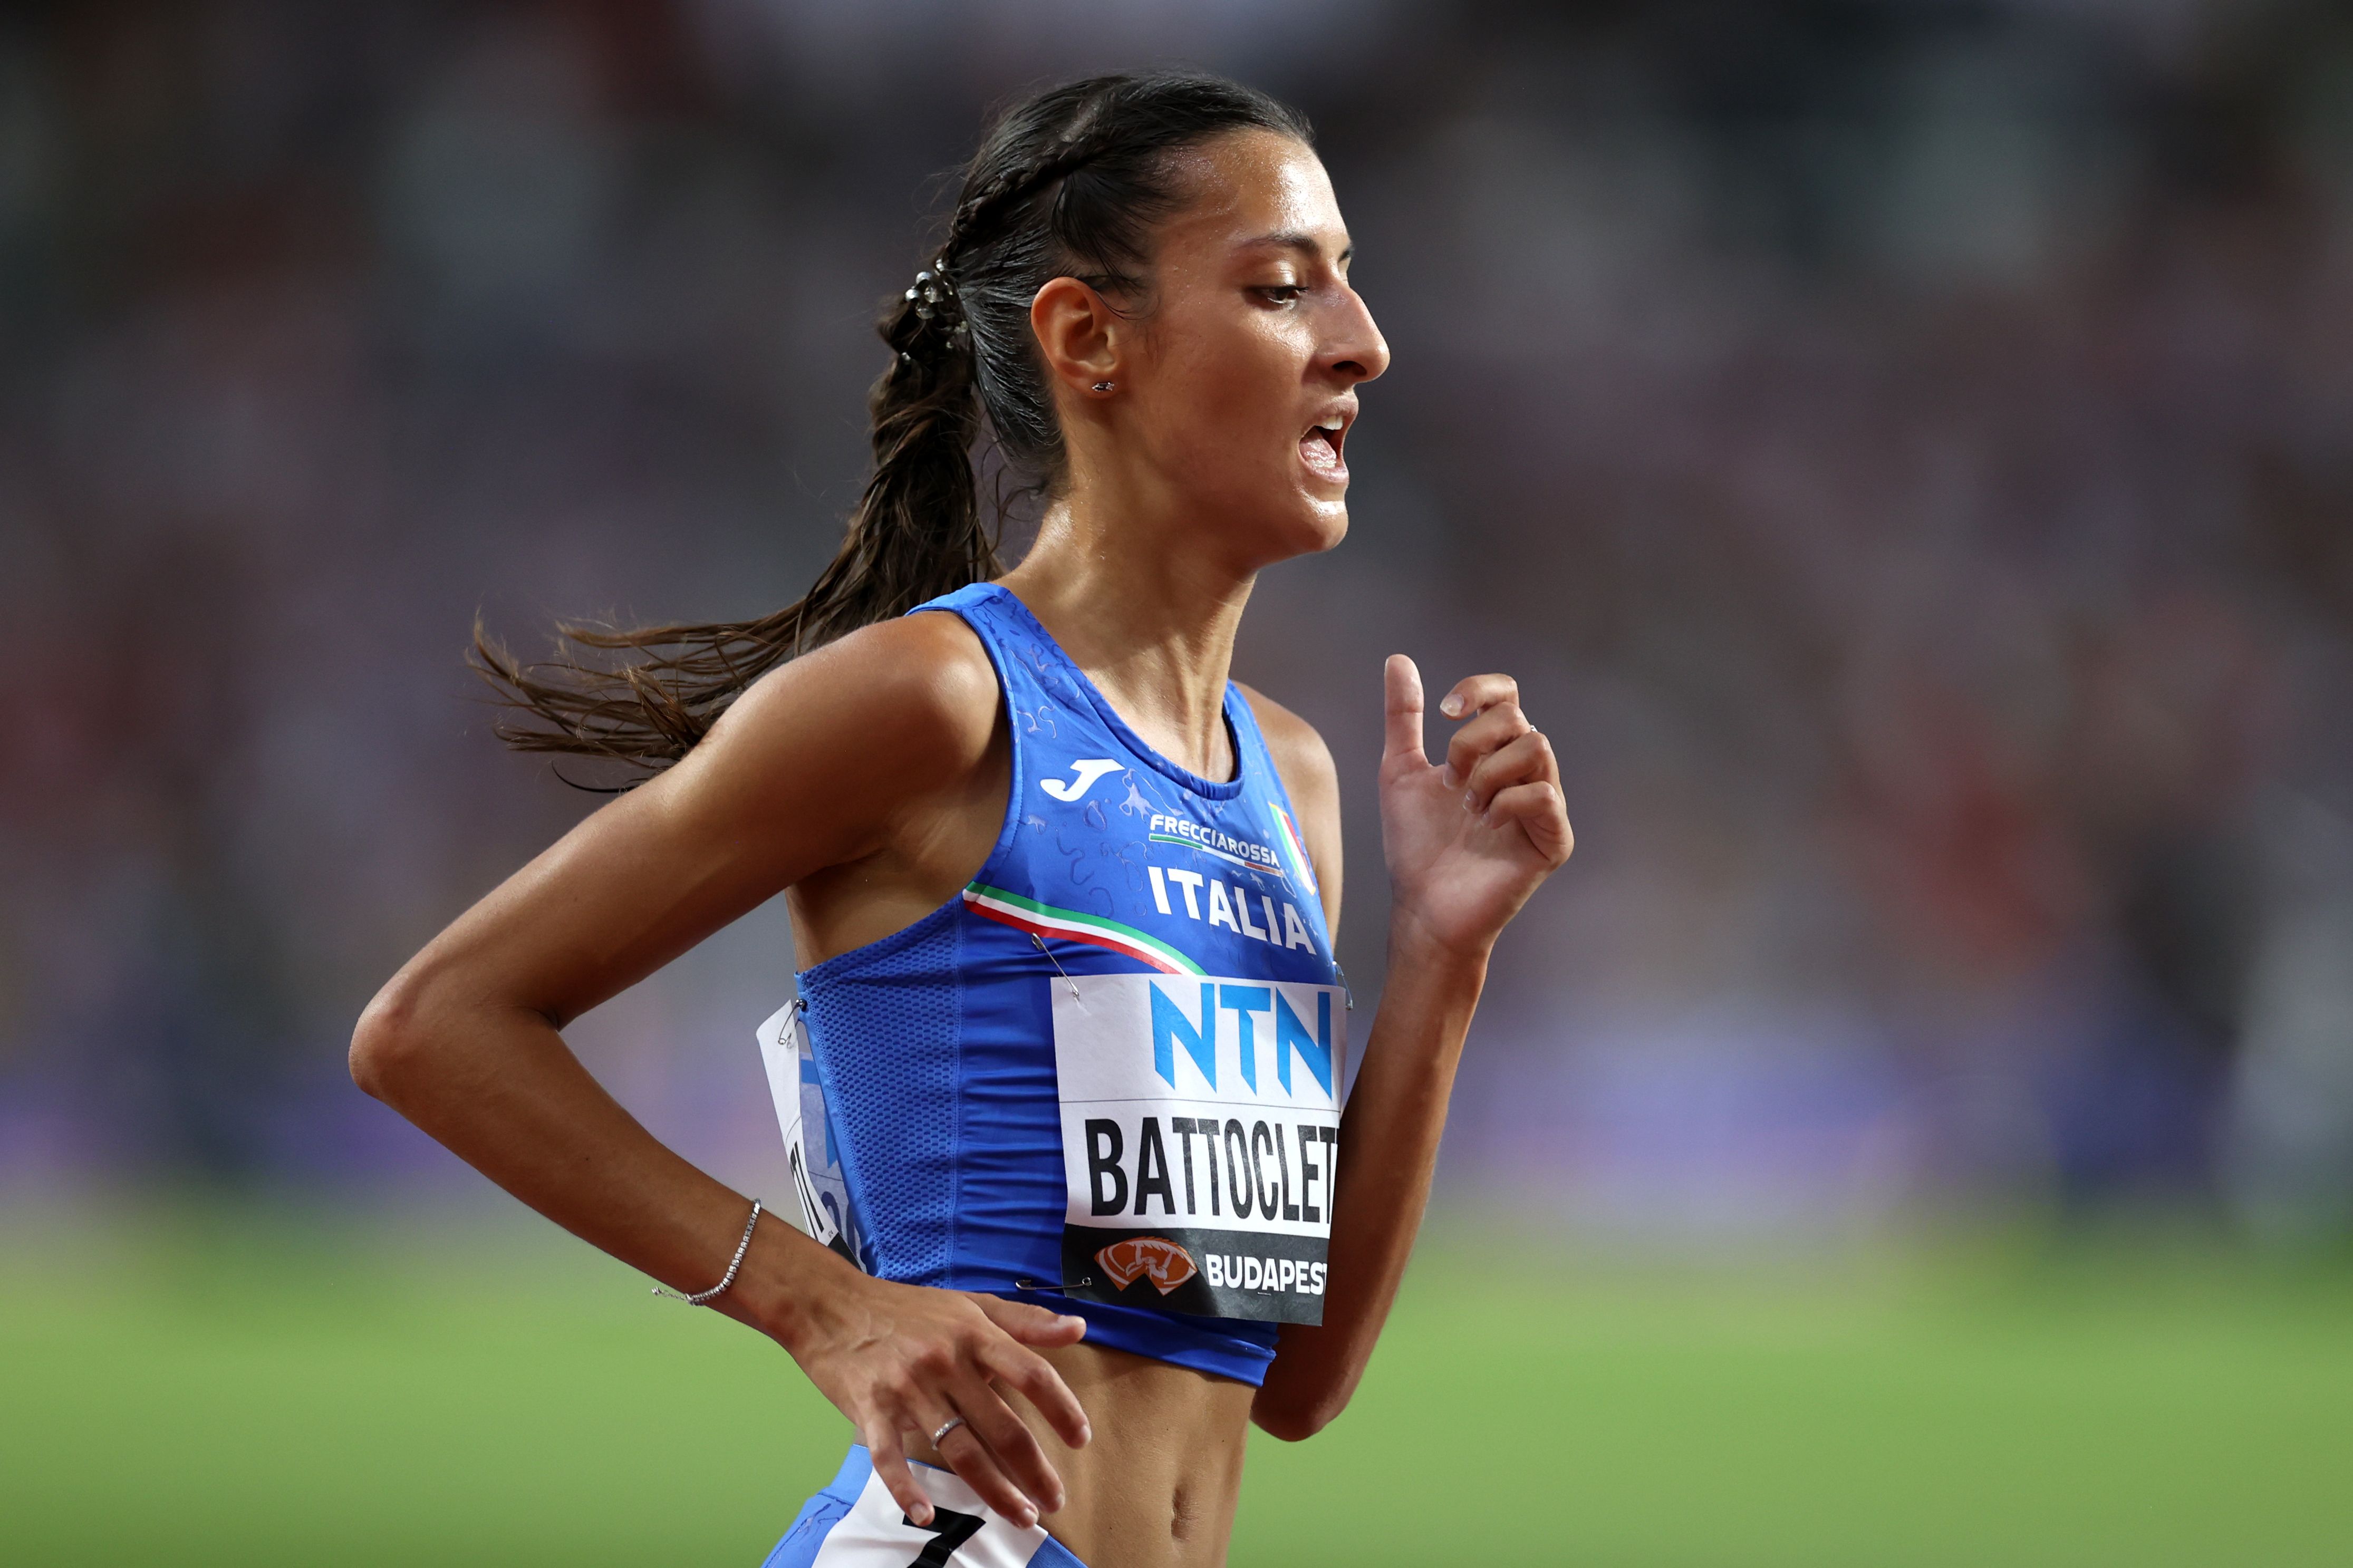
[932,294]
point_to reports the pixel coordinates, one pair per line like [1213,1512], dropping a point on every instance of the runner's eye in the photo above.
[1282,293]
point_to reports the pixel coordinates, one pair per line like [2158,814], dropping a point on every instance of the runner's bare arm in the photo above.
[836,760]
[1467,843]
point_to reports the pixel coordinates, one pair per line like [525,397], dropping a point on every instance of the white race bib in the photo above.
[1200,1128]
[821,1205]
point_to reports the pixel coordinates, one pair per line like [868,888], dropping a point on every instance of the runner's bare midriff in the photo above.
[1155,1488]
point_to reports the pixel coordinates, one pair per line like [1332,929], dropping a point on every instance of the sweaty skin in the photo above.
[870,778]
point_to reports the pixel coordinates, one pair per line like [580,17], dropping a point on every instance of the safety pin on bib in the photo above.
[1057,962]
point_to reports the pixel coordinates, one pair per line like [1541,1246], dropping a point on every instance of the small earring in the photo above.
[1102,386]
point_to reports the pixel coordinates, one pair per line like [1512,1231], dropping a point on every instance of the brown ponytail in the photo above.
[1070,182]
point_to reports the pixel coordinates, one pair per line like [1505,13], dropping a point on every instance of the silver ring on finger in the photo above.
[946,1426]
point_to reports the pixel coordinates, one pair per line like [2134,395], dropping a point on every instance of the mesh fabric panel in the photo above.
[886,1046]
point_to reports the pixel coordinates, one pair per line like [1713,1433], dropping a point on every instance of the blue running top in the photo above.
[1106,1077]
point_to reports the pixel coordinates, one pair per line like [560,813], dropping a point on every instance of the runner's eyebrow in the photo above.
[1292,240]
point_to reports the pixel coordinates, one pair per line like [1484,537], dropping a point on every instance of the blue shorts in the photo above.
[855,1524]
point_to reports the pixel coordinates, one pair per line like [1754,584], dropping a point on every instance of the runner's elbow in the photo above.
[388,1047]
[1290,1419]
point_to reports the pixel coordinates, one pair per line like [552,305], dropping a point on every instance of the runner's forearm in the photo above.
[500,1090]
[1388,1150]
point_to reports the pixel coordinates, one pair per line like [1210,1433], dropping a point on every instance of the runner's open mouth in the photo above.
[1321,447]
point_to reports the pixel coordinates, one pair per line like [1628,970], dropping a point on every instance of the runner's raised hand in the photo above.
[1467,842]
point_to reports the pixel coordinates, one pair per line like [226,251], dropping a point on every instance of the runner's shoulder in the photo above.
[914,686]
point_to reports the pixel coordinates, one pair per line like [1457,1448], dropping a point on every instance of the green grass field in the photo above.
[223,1388]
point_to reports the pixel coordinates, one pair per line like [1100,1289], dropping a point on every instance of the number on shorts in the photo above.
[949,1530]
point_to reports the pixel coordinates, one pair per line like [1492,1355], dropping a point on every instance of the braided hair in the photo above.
[1070,183]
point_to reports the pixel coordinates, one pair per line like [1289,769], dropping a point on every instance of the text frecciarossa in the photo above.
[1216,841]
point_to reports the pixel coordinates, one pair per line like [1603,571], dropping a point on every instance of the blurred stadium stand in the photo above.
[1904,448]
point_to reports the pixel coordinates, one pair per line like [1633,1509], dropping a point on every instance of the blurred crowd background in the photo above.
[1904,448]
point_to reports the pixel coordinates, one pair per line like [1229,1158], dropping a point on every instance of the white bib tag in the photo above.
[822,1207]
[1200,1123]
[963,1532]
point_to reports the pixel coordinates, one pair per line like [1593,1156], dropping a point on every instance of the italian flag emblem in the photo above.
[1071,925]
[1297,851]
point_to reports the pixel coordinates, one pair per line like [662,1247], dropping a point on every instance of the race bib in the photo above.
[1200,1128]
[820,1205]
[965,1532]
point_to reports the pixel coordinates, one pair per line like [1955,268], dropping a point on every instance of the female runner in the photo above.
[1066,894]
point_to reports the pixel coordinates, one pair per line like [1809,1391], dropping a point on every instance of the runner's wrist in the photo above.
[785,1284]
[1416,949]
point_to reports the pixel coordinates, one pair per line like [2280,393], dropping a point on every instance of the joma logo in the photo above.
[1088,769]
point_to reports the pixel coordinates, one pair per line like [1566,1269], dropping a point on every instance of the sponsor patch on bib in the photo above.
[1156,1257]
[1200,1125]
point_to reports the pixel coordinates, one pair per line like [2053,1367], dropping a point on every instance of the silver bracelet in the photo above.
[742,1247]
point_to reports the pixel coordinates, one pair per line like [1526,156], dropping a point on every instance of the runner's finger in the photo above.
[1011,1444]
[1527,759]
[1402,731]
[1538,809]
[1477,693]
[1040,1383]
[967,1452]
[884,1446]
[1032,1325]
[1495,728]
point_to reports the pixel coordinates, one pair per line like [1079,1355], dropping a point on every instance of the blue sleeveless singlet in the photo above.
[1106,1077]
